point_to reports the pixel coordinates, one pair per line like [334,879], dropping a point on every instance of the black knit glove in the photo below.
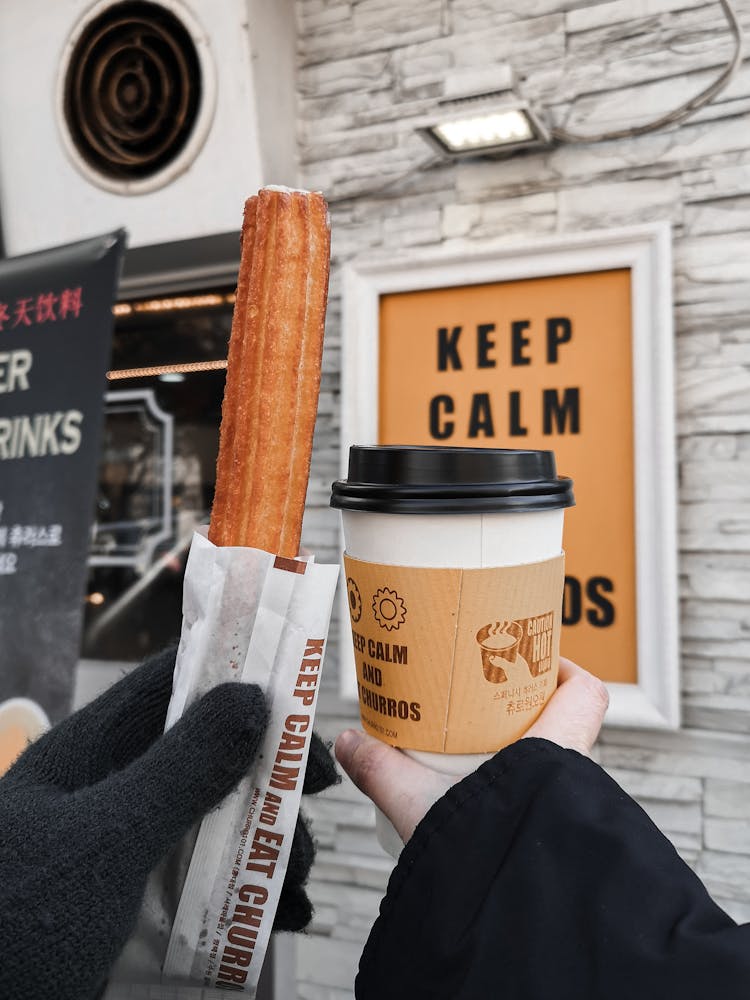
[295,910]
[90,808]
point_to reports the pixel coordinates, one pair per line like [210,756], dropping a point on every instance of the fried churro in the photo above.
[273,372]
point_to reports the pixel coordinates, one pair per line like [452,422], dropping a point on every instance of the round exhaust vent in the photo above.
[131,93]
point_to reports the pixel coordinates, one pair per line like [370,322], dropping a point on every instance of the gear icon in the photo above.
[355,599]
[389,609]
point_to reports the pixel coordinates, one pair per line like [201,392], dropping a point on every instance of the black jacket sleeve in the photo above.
[537,877]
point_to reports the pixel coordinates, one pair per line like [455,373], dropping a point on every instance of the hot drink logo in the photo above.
[499,643]
[389,609]
[355,599]
[527,641]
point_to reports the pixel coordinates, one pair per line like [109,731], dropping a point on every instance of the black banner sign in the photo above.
[55,342]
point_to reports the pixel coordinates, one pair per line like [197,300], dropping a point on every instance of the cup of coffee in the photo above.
[21,722]
[454,574]
[499,641]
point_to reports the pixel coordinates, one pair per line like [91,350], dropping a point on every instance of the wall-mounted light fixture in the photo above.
[484,113]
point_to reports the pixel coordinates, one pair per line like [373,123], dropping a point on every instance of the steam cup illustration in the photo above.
[499,643]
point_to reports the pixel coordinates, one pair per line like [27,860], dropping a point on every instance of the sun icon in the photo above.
[389,609]
[354,598]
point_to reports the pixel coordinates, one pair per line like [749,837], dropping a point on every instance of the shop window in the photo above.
[157,471]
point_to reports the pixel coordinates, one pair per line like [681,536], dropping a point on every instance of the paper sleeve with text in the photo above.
[208,910]
[454,660]
[260,619]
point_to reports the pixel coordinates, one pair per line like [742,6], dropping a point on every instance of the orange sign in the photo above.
[538,363]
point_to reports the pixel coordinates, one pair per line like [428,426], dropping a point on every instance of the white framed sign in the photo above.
[563,343]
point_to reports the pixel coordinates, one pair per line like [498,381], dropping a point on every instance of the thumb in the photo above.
[188,770]
[574,714]
[400,787]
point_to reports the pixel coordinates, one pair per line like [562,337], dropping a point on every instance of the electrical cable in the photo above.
[684,110]
[424,164]
[565,136]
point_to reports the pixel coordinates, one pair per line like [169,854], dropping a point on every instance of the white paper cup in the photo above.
[21,722]
[420,525]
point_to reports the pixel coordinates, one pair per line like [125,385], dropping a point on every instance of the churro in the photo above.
[273,372]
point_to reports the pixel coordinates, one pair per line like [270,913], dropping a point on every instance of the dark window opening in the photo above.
[157,470]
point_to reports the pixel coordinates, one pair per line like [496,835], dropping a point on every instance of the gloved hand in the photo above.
[295,910]
[90,808]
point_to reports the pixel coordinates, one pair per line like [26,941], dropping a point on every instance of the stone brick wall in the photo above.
[366,70]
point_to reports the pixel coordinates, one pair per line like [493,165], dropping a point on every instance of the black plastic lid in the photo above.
[406,479]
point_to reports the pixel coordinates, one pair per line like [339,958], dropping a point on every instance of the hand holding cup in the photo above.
[404,789]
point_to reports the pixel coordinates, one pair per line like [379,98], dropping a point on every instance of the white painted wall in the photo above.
[246,136]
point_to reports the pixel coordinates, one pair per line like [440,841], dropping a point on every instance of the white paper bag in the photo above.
[252,617]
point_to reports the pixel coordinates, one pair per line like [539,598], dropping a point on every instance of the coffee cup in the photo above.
[21,722]
[454,572]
